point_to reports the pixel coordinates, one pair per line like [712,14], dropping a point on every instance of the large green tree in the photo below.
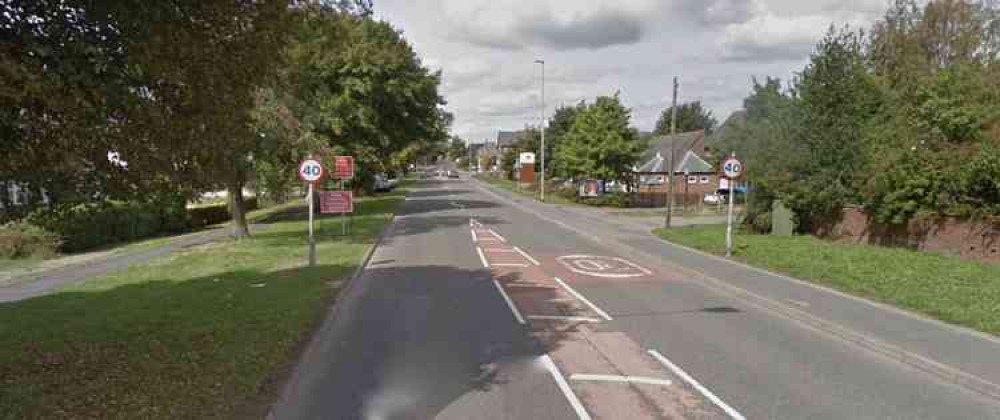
[691,116]
[601,143]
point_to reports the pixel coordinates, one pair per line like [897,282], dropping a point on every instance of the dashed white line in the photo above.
[691,381]
[475,238]
[498,235]
[510,303]
[563,318]
[577,295]
[581,412]
[525,255]
[619,378]
[482,257]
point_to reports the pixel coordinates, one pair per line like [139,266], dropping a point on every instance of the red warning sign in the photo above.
[343,167]
[336,202]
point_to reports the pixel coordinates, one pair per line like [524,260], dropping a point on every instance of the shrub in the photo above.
[219,213]
[613,199]
[22,240]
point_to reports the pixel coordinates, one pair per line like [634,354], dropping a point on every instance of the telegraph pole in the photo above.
[670,170]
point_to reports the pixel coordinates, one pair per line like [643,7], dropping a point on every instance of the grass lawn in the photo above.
[205,332]
[550,196]
[947,288]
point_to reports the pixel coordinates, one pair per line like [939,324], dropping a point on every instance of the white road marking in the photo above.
[581,412]
[525,255]
[453,204]
[487,238]
[482,257]
[594,265]
[561,318]
[510,303]
[501,250]
[618,378]
[498,235]
[577,295]
[510,265]
[704,391]
[474,237]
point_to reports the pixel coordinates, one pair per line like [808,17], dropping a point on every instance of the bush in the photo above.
[614,199]
[22,240]
[213,215]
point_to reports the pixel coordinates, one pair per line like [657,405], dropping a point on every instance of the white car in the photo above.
[714,198]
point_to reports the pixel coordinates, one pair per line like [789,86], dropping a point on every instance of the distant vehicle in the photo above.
[382,183]
[721,196]
[452,174]
[714,198]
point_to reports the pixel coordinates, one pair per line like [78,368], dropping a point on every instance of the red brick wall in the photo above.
[973,239]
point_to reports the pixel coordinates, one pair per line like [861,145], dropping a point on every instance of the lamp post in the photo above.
[542,184]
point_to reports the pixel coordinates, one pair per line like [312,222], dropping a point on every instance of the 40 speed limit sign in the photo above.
[310,170]
[732,168]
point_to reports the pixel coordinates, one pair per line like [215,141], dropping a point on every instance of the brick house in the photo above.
[693,176]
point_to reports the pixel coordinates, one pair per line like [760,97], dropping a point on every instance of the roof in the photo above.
[682,142]
[689,163]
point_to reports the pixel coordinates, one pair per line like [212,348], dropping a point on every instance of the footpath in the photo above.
[957,355]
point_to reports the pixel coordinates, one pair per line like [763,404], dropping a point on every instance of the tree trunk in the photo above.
[238,209]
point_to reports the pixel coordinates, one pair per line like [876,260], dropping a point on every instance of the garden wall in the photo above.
[970,238]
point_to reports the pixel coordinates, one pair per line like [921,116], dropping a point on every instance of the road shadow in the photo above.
[408,342]
[178,347]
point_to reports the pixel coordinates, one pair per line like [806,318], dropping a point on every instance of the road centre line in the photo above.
[525,255]
[562,318]
[691,381]
[619,378]
[482,257]
[583,299]
[581,412]
[510,303]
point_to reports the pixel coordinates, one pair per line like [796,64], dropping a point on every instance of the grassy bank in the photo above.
[947,288]
[527,191]
[205,332]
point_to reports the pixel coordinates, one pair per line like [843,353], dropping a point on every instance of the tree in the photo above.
[457,148]
[560,124]
[690,117]
[601,143]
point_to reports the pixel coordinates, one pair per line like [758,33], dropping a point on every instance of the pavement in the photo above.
[482,304]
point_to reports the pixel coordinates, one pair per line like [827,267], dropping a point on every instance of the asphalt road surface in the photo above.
[473,308]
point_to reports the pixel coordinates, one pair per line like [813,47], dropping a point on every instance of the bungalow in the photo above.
[693,176]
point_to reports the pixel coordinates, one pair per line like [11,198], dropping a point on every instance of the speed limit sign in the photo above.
[732,168]
[310,170]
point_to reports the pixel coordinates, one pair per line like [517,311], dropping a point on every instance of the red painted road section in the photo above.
[621,380]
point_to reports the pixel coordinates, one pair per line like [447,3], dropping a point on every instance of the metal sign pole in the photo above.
[343,217]
[312,241]
[729,221]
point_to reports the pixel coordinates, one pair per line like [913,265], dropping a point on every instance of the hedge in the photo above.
[21,240]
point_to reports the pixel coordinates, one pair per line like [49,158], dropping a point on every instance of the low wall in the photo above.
[968,238]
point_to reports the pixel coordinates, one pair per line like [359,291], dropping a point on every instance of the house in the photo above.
[693,176]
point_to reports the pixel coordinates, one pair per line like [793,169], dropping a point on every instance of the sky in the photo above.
[486,51]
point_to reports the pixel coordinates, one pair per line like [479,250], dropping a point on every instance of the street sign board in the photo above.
[336,202]
[526,158]
[732,168]
[343,167]
[310,170]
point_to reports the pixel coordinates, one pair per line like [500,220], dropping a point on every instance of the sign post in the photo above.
[311,171]
[732,169]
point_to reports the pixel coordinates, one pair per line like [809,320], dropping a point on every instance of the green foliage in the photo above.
[560,124]
[691,116]
[201,217]
[507,161]
[616,199]
[23,240]
[601,144]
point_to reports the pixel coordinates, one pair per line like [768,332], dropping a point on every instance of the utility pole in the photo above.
[670,170]
[542,127]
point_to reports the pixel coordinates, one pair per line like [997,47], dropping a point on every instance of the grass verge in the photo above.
[204,332]
[527,191]
[947,288]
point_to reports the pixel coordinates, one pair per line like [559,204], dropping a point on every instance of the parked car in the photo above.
[452,174]
[382,183]
[721,196]
[714,198]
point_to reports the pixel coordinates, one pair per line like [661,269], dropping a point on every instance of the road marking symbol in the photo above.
[510,303]
[562,318]
[618,378]
[602,266]
[564,387]
[482,257]
[577,295]
[691,381]
[525,255]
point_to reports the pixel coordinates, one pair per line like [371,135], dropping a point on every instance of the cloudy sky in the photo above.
[486,51]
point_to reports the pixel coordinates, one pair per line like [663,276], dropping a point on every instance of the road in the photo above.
[475,306]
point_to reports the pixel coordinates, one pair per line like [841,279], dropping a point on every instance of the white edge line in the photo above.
[704,391]
[563,318]
[564,387]
[510,303]
[583,299]
[618,378]
[474,237]
[498,235]
[525,255]
[482,257]
[498,250]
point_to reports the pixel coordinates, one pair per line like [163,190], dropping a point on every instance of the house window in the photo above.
[704,179]
[692,180]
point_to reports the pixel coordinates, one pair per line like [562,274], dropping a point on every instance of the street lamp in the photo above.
[542,62]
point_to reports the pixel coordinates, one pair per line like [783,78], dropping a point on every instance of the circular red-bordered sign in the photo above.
[310,170]
[732,168]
